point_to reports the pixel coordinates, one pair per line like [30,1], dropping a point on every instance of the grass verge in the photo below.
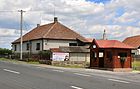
[136,65]
[17,61]
[70,66]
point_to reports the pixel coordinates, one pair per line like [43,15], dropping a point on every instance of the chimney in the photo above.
[38,25]
[55,19]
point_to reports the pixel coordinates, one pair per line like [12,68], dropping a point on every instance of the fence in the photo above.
[136,62]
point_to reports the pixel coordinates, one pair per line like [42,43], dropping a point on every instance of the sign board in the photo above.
[101,54]
[60,56]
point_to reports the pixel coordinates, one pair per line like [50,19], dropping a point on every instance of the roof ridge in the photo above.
[49,30]
[133,36]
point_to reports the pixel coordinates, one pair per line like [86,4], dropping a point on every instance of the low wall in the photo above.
[122,70]
[69,63]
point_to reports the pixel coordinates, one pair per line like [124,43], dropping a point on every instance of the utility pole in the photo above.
[21,23]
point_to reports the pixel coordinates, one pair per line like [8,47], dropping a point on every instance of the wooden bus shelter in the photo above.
[110,54]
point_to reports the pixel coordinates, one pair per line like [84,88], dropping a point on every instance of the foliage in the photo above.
[122,59]
[4,51]
[45,55]
[136,65]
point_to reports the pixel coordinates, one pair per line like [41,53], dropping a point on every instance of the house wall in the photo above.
[47,44]
[108,63]
[80,57]
[116,60]
[32,46]
[94,62]
[137,51]
[56,43]
[17,49]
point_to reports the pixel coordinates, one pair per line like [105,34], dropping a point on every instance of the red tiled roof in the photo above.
[55,50]
[89,40]
[53,30]
[112,44]
[133,41]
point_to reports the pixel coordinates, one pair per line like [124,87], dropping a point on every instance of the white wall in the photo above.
[17,49]
[33,47]
[80,57]
[56,43]
[138,51]
[46,45]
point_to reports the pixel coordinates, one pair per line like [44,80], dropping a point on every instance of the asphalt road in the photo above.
[17,76]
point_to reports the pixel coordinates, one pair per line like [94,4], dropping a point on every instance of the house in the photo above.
[110,54]
[48,36]
[135,42]
[75,54]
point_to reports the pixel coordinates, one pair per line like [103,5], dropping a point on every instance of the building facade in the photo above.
[48,36]
[110,54]
[135,42]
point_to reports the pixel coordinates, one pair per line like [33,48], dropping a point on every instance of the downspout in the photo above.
[42,44]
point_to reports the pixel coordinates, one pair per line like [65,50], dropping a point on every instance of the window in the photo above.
[27,46]
[37,46]
[15,47]
[109,55]
[72,44]
[122,57]
[94,55]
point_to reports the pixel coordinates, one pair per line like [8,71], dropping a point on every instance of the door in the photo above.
[101,59]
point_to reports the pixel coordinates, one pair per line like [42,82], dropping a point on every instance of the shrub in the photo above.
[5,52]
[45,55]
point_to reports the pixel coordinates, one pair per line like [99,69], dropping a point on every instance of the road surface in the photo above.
[20,76]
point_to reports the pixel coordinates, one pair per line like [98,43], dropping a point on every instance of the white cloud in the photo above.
[128,17]
[8,35]
[115,31]
[82,16]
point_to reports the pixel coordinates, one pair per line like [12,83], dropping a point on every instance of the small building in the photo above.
[110,54]
[135,42]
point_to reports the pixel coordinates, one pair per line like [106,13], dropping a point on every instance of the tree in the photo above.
[5,52]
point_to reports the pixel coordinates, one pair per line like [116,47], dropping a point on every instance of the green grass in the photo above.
[136,65]
[5,59]
[17,61]
[70,66]
[33,62]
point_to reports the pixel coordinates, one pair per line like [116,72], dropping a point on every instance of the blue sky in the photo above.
[99,1]
[120,18]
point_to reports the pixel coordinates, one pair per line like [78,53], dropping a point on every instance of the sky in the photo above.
[120,18]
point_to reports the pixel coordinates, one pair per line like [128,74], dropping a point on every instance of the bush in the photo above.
[5,52]
[45,55]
